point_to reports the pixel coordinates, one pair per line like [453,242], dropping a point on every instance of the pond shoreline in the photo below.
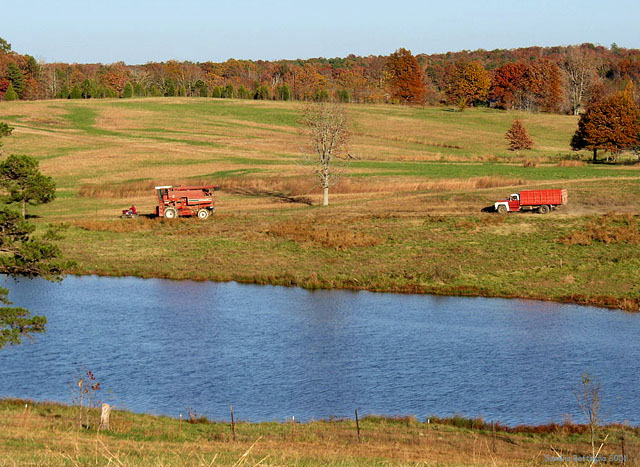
[608,302]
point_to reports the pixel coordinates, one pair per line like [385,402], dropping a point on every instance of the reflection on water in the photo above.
[273,352]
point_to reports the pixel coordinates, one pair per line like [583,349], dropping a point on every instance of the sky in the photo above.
[137,32]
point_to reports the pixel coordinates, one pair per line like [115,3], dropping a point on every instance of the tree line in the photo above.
[549,79]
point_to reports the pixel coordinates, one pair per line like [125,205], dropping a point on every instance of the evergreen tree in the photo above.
[171,89]
[17,78]
[11,94]
[344,95]
[243,93]
[88,89]
[22,179]
[284,92]
[4,46]
[76,93]
[262,93]
[127,92]
[217,92]
[155,91]
[228,91]
[182,91]
[518,137]
[28,256]
[138,90]
[63,93]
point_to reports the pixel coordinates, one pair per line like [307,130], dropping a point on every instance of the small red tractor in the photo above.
[174,201]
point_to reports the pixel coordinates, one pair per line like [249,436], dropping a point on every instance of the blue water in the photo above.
[164,347]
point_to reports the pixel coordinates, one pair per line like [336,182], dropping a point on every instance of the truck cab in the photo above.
[508,205]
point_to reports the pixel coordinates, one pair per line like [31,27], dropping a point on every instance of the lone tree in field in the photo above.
[21,178]
[406,77]
[611,124]
[518,137]
[327,125]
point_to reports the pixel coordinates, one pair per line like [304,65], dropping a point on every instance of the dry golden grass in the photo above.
[48,435]
[298,186]
[570,163]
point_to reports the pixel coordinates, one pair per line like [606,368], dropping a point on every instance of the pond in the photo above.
[164,347]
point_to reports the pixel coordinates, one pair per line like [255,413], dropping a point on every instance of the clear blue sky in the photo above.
[139,31]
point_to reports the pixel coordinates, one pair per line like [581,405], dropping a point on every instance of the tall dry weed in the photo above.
[609,228]
[340,239]
[571,163]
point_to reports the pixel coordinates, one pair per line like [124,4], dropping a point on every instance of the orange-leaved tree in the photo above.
[406,78]
[518,137]
[468,83]
[611,124]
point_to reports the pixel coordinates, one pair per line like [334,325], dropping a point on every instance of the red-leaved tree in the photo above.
[406,78]
[518,137]
[611,124]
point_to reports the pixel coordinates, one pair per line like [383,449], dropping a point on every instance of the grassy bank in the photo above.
[406,217]
[50,434]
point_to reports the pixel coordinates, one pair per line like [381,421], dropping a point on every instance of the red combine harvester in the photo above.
[541,200]
[174,201]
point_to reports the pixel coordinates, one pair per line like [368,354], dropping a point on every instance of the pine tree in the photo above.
[127,92]
[76,93]
[518,137]
[11,94]
[182,91]
[171,89]
[17,78]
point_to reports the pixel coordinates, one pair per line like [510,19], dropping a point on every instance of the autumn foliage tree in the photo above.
[468,83]
[611,124]
[406,79]
[518,137]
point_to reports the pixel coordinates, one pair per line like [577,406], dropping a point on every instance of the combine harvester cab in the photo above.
[542,201]
[186,201]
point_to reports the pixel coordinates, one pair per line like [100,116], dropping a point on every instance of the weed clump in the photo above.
[610,228]
[339,239]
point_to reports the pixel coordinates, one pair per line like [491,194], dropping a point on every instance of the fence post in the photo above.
[104,417]
[358,426]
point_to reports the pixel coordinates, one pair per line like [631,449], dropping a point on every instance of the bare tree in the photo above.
[579,66]
[327,125]
[588,397]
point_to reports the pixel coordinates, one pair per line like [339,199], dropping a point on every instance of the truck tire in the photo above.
[170,213]
[544,209]
[203,214]
[502,209]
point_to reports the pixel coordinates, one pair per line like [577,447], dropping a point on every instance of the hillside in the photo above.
[406,216]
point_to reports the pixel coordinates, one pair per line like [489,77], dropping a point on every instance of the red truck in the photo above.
[186,201]
[541,200]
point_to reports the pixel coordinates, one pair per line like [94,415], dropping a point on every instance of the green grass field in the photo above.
[406,216]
